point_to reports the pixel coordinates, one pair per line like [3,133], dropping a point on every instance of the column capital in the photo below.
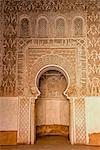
[35,92]
[32,100]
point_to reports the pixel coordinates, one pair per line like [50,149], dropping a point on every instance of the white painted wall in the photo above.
[92,114]
[8,113]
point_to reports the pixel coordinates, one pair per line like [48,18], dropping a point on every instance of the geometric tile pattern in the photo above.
[24,121]
[80,122]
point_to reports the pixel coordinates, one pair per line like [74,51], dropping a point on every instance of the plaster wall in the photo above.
[92,107]
[8,113]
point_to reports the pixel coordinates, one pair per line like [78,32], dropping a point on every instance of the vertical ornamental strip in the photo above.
[9,55]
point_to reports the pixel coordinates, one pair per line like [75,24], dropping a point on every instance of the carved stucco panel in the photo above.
[80,120]
[93,59]
[23,135]
[38,48]
[93,38]
[1,46]
[9,46]
[50,60]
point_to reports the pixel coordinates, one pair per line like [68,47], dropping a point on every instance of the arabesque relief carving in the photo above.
[19,53]
[93,38]
[11,8]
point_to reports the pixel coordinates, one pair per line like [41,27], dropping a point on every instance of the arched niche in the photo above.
[78,24]
[60,27]
[53,68]
[42,27]
[24,27]
[52,83]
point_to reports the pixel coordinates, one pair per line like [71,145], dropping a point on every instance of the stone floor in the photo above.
[50,143]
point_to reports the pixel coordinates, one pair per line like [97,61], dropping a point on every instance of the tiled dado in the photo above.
[8,137]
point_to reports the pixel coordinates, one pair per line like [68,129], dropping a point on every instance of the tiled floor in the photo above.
[50,143]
